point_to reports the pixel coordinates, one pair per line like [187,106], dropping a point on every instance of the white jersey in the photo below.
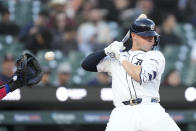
[124,87]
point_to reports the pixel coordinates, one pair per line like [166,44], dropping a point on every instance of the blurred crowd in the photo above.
[89,25]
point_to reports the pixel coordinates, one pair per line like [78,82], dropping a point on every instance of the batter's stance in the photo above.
[136,76]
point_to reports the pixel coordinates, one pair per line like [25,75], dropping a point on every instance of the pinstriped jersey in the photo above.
[123,86]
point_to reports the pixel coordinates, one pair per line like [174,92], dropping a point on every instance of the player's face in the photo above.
[144,43]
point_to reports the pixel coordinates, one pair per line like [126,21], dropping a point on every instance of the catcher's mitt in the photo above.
[28,72]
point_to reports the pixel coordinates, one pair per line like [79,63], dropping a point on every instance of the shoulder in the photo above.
[108,60]
[155,54]
[135,52]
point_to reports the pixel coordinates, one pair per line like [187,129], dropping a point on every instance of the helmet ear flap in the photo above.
[157,39]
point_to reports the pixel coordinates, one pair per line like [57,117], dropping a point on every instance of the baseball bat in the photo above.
[126,38]
[127,41]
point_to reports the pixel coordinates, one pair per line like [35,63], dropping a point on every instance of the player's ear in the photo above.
[133,35]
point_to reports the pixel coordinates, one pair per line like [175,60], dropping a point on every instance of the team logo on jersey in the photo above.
[139,61]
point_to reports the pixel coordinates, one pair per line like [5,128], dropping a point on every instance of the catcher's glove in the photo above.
[28,72]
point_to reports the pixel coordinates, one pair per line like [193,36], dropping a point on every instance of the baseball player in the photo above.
[28,73]
[136,76]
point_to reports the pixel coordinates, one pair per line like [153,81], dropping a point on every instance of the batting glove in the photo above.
[113,47]
[120,56]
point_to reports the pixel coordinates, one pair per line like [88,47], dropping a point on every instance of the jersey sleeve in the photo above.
[105,65]
[153,66]
[4,90]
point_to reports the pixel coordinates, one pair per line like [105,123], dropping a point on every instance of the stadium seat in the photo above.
[190,74]
[79,75]
[21,8]
[178,57]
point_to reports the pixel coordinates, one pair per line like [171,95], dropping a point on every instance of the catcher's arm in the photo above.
[4,91]
[10,86]
[28,73]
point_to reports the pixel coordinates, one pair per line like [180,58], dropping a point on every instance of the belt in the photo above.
[136,101]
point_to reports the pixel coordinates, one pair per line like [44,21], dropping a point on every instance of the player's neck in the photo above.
[135,48]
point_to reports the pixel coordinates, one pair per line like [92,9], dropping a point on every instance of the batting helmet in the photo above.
[145,27]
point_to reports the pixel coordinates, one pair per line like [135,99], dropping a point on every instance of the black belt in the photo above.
[138,101]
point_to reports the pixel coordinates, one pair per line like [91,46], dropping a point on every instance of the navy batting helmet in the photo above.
[145,27]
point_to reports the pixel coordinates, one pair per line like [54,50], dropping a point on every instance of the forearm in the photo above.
[132,70]
[4,90]
[91,61]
